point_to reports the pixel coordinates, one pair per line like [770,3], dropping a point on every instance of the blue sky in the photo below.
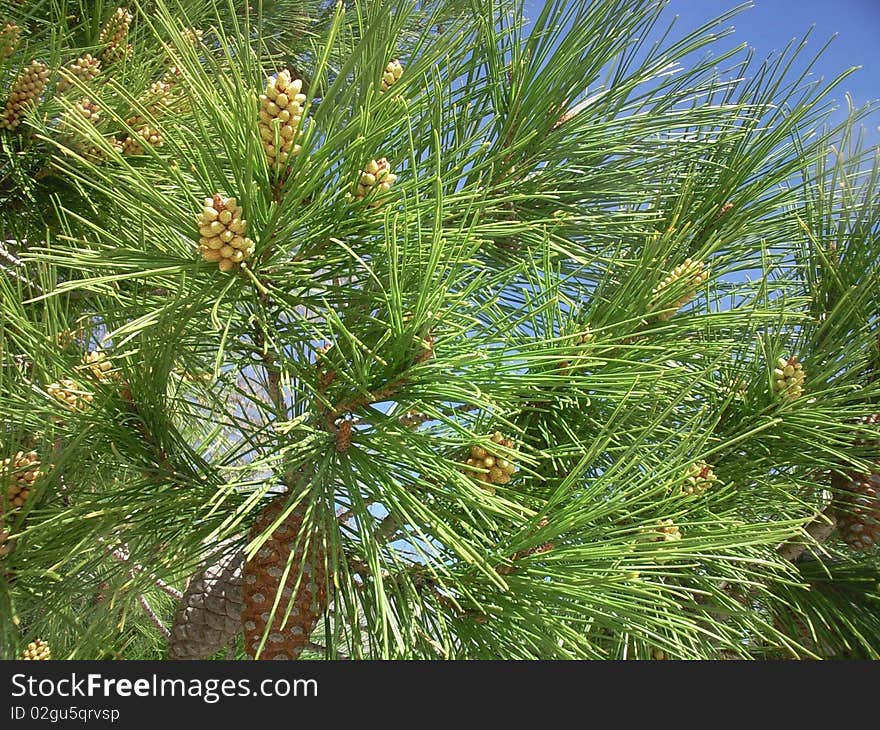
[769,25]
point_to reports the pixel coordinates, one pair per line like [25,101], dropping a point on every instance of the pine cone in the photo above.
[9,35]
[788,379]
[488,467]
[393,71]
[70,394]
[700,477]
[262,582]
[678,288]
[113,37]
[24,93]
[281,108]
[859,518]
[376,177]
[21,470]
[85,68]
[209,614]
[221,231]
[37,651]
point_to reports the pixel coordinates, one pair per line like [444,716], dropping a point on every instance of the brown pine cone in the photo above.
[285,550]
[859,514]
[209,614]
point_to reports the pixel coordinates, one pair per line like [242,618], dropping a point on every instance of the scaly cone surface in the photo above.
[209,614]
[301,557]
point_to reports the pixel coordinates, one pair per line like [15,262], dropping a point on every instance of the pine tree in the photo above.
[416,330]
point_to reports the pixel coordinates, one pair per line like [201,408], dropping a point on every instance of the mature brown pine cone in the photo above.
[859,515]
[285,550]
[209,614]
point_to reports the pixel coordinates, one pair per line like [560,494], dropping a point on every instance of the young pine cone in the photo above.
[393,71]
[24,93]
[281,108]
[9,35]
[788,378]
[221,231]
[113,37]
[209,614]
[700,477]
[85,68]
[488,467]
[304,586]
[859,518]
[70,394]
[376,177]
[37,651]
[678,288]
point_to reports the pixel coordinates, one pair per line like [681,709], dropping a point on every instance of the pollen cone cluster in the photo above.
[700,477]
[70,394]
[100,366]
[285,551]
[114,35]
[18,474]
[579,341]
[156,101]
[77,138]
[37,651]
[678,288]
[788,378]
[9,35]
[393,71]
[859,520]
[85,68]
[489,467]
[24,93]
[281,108]
[664,531]
[222,232]
[376,177]
[209,615]
[146,136]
